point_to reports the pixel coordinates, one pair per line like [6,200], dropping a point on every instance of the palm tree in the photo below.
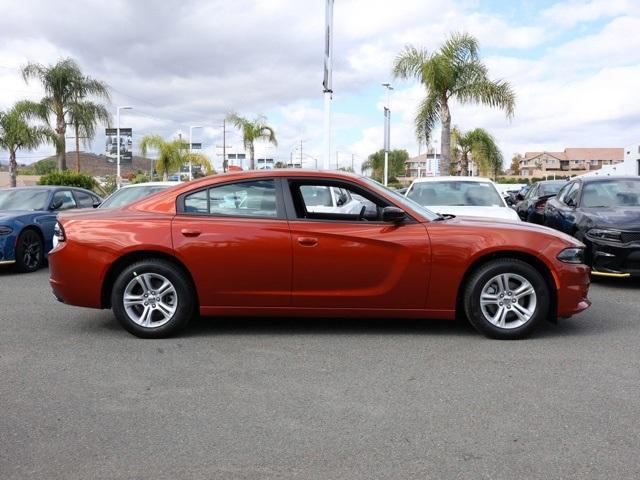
[454,71]
[16,133]
[375,164]
[172,154]
[252,131]
[482,148]
[64,84]
[84,116]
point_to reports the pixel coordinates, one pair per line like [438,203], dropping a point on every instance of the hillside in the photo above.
[98,166]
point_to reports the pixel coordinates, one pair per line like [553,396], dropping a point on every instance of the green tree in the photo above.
[481,147]
[85,116]
[16,133]
[515,164]
[64,85]
[374,164]
[453,72]
[44,167]
[172,154]
[280,165]
[253,131]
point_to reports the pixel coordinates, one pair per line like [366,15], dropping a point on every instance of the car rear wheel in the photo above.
[153,298]
[29,251]
[506,298]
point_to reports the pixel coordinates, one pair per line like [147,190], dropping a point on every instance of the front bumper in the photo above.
[7,249]
[613,259]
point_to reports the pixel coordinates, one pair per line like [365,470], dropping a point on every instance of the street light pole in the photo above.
[191,149]
[118,179]
[387,133]
[327,82]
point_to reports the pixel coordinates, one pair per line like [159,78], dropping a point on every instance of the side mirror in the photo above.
[56,204]
[392,214]
[519,197]
[96,204]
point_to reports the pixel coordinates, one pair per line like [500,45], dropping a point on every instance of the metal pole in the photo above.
[225,167]
[190,150]
[387,133]
[118,182]
[118,179]
[327,83]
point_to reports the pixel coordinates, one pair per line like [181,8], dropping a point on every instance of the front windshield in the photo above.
[125,196]
[404,201]
[612,193]
[455,193]
[23,199]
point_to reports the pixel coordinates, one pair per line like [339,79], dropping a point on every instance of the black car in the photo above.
[604,213]
[531,209]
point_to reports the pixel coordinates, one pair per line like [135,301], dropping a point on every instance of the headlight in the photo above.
[58,233]
[605,234]
[571,255]
[4,230]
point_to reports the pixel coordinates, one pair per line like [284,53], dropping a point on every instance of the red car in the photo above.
[308,243]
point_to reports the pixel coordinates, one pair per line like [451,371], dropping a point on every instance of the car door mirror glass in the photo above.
[56,204]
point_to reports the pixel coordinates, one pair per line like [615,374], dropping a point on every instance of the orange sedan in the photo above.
[308,243]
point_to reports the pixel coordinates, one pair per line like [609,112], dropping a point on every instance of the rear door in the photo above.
[235,240]
[354,260]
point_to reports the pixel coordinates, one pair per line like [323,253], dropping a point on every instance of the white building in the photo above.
[629,166]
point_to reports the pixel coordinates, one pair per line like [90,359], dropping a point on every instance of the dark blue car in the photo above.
[27,219]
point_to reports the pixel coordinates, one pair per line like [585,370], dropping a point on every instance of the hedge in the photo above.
[69,179]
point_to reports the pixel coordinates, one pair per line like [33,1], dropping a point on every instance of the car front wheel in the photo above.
[506,298]
[29,251]
[153,298]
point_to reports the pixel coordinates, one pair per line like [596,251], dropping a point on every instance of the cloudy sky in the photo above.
[574,66]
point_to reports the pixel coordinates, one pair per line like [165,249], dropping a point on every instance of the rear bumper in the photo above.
[76,275]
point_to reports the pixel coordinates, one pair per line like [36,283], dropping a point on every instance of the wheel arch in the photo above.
[532,260]
[127,259]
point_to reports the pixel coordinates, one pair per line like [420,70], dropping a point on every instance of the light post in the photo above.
[191,149]
[387,133]
[118,179]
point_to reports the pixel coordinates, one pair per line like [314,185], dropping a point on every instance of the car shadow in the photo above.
[203,326]
[624,283]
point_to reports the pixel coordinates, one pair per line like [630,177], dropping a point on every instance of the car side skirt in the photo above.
[327,312]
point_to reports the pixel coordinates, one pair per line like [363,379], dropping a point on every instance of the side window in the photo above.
[244,199]
[563,191]
[63,200]
[84,200]
[571,197]
[334,202]
[532,192]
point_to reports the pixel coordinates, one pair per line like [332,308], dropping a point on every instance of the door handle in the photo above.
[308,241]
[189,233]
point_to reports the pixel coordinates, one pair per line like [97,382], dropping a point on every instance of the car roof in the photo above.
[450,178]
[151,184]
[545,182]
[605,179]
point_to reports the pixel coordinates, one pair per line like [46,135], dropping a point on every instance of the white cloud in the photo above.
[573,12]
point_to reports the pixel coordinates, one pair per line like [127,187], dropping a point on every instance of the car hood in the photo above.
[11,215]
[504,213]
[623,218]
[493,224]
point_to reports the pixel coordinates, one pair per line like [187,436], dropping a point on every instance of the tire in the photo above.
[497,283]
[29,251]
[161,298]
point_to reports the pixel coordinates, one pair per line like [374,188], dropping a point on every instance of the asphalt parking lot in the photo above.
[300,398]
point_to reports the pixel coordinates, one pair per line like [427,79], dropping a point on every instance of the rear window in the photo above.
[549,188]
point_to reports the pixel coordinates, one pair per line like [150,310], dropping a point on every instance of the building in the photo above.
[424,165]
[630,165]
[571,161]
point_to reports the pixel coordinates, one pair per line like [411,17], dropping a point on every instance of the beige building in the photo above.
[572,161]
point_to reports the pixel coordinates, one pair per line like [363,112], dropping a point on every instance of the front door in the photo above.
[353,259]
[235,241]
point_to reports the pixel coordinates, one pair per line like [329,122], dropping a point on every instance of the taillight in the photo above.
[540,205]
[58,233]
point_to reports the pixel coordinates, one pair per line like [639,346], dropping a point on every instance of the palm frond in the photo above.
[409,62]
[427,117]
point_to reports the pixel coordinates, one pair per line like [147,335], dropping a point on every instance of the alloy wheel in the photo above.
[150,300]
[508,300]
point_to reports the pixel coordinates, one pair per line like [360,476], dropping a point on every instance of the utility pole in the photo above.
[225,165]
[118,179]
